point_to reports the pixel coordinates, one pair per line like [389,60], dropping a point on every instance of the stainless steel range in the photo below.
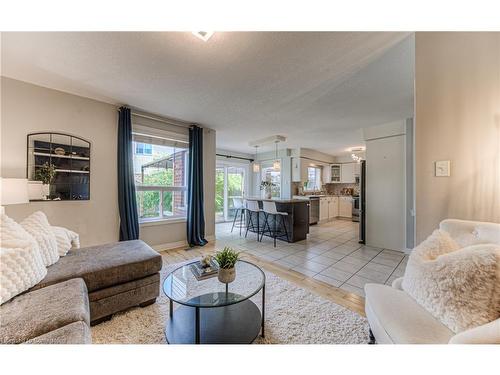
[355,208]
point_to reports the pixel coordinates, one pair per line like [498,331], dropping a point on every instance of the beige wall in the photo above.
[458,119]
[386,185]
[27,108]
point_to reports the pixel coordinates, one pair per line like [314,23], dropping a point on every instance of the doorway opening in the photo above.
[230,184]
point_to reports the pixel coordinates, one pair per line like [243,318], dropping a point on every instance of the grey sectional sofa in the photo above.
[83,288]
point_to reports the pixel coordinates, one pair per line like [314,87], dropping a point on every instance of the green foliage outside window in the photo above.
[234,186]
[150,200]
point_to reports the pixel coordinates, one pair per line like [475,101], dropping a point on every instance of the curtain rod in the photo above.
[159,120]
[234,157]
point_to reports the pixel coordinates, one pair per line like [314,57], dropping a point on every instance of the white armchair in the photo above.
[395,318]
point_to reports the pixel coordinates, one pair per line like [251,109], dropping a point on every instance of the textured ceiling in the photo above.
[318,89]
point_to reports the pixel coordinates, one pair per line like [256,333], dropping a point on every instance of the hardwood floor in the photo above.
[336,295]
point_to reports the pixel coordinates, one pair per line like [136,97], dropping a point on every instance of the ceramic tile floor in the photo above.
[331,253]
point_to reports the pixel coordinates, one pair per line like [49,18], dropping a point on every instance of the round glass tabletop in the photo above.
[181,286]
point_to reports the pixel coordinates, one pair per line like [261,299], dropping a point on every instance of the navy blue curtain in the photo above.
[129,222]
[195,214]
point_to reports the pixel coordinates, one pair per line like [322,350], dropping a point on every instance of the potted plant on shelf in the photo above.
[266,186]
[226,259]
[46,174]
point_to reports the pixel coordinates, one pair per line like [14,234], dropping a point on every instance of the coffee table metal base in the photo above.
[234,324]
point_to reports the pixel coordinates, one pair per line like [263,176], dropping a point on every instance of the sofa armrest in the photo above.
[488,333]
[397,284]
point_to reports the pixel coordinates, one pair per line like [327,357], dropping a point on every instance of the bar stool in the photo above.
[240,209]
[252,207]
[269,209]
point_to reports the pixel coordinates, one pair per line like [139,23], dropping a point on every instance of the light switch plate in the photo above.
[442,168]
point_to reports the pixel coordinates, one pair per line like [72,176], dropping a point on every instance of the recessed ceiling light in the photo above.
[203,35]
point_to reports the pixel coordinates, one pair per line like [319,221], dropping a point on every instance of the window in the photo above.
[313,179]
[269,174]
[160,172]
[143,148]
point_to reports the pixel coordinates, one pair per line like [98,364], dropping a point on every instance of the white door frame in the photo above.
[233,164]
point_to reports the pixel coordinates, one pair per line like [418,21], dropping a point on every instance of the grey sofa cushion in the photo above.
[74,333]
[105,265]
[36,313]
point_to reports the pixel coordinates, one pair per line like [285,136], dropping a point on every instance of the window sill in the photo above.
[154,222]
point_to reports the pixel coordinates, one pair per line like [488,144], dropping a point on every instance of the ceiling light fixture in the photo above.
[356,158]
[256,165]
[203,35]
[354,153]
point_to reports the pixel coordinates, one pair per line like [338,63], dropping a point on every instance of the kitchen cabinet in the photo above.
[333,207]
[345,207]
[299,170]
[347,173]
[357,170]
[328,208]
[323,209]
[335,173]
[326,173]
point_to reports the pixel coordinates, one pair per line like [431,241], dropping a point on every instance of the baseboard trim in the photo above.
[177,244]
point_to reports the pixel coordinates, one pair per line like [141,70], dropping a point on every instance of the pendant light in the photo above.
[256,165]
[277,162]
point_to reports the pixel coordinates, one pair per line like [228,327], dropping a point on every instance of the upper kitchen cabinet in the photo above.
[299,170]
[357,170]
[327,174]
[335,173]
[347,174]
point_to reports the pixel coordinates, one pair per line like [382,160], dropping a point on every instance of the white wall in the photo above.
[386,186]
[316,155]
[27,108]
[457,83]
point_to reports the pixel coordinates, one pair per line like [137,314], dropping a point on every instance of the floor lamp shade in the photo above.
[13,191]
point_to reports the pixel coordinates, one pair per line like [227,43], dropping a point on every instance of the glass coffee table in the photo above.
[212,312]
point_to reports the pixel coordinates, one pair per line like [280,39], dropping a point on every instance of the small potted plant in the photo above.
[226,259]
[267,186]
[46,174]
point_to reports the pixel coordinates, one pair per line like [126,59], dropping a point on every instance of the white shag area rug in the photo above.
[293,316]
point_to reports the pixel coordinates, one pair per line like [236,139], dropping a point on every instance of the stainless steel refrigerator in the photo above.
[362,203]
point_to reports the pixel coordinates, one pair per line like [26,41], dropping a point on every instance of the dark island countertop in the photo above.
[277,200]
[296,222]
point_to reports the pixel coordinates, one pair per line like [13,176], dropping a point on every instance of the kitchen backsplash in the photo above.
[336,189]
[333,189]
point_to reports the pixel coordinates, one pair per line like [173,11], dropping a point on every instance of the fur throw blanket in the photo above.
[459,286]
[21,262]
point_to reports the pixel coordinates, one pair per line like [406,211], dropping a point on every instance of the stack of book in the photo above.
[202,273]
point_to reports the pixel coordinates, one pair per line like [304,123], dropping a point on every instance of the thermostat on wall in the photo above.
[442,168]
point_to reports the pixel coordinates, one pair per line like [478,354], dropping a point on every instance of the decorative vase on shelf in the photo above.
[226,275]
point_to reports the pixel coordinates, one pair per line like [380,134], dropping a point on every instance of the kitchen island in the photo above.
[297,220]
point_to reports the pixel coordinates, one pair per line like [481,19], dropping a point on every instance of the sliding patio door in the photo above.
[230,183]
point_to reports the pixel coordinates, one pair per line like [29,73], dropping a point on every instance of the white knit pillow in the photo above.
[21,264]
[66,239]
[459,286]
[38,226]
